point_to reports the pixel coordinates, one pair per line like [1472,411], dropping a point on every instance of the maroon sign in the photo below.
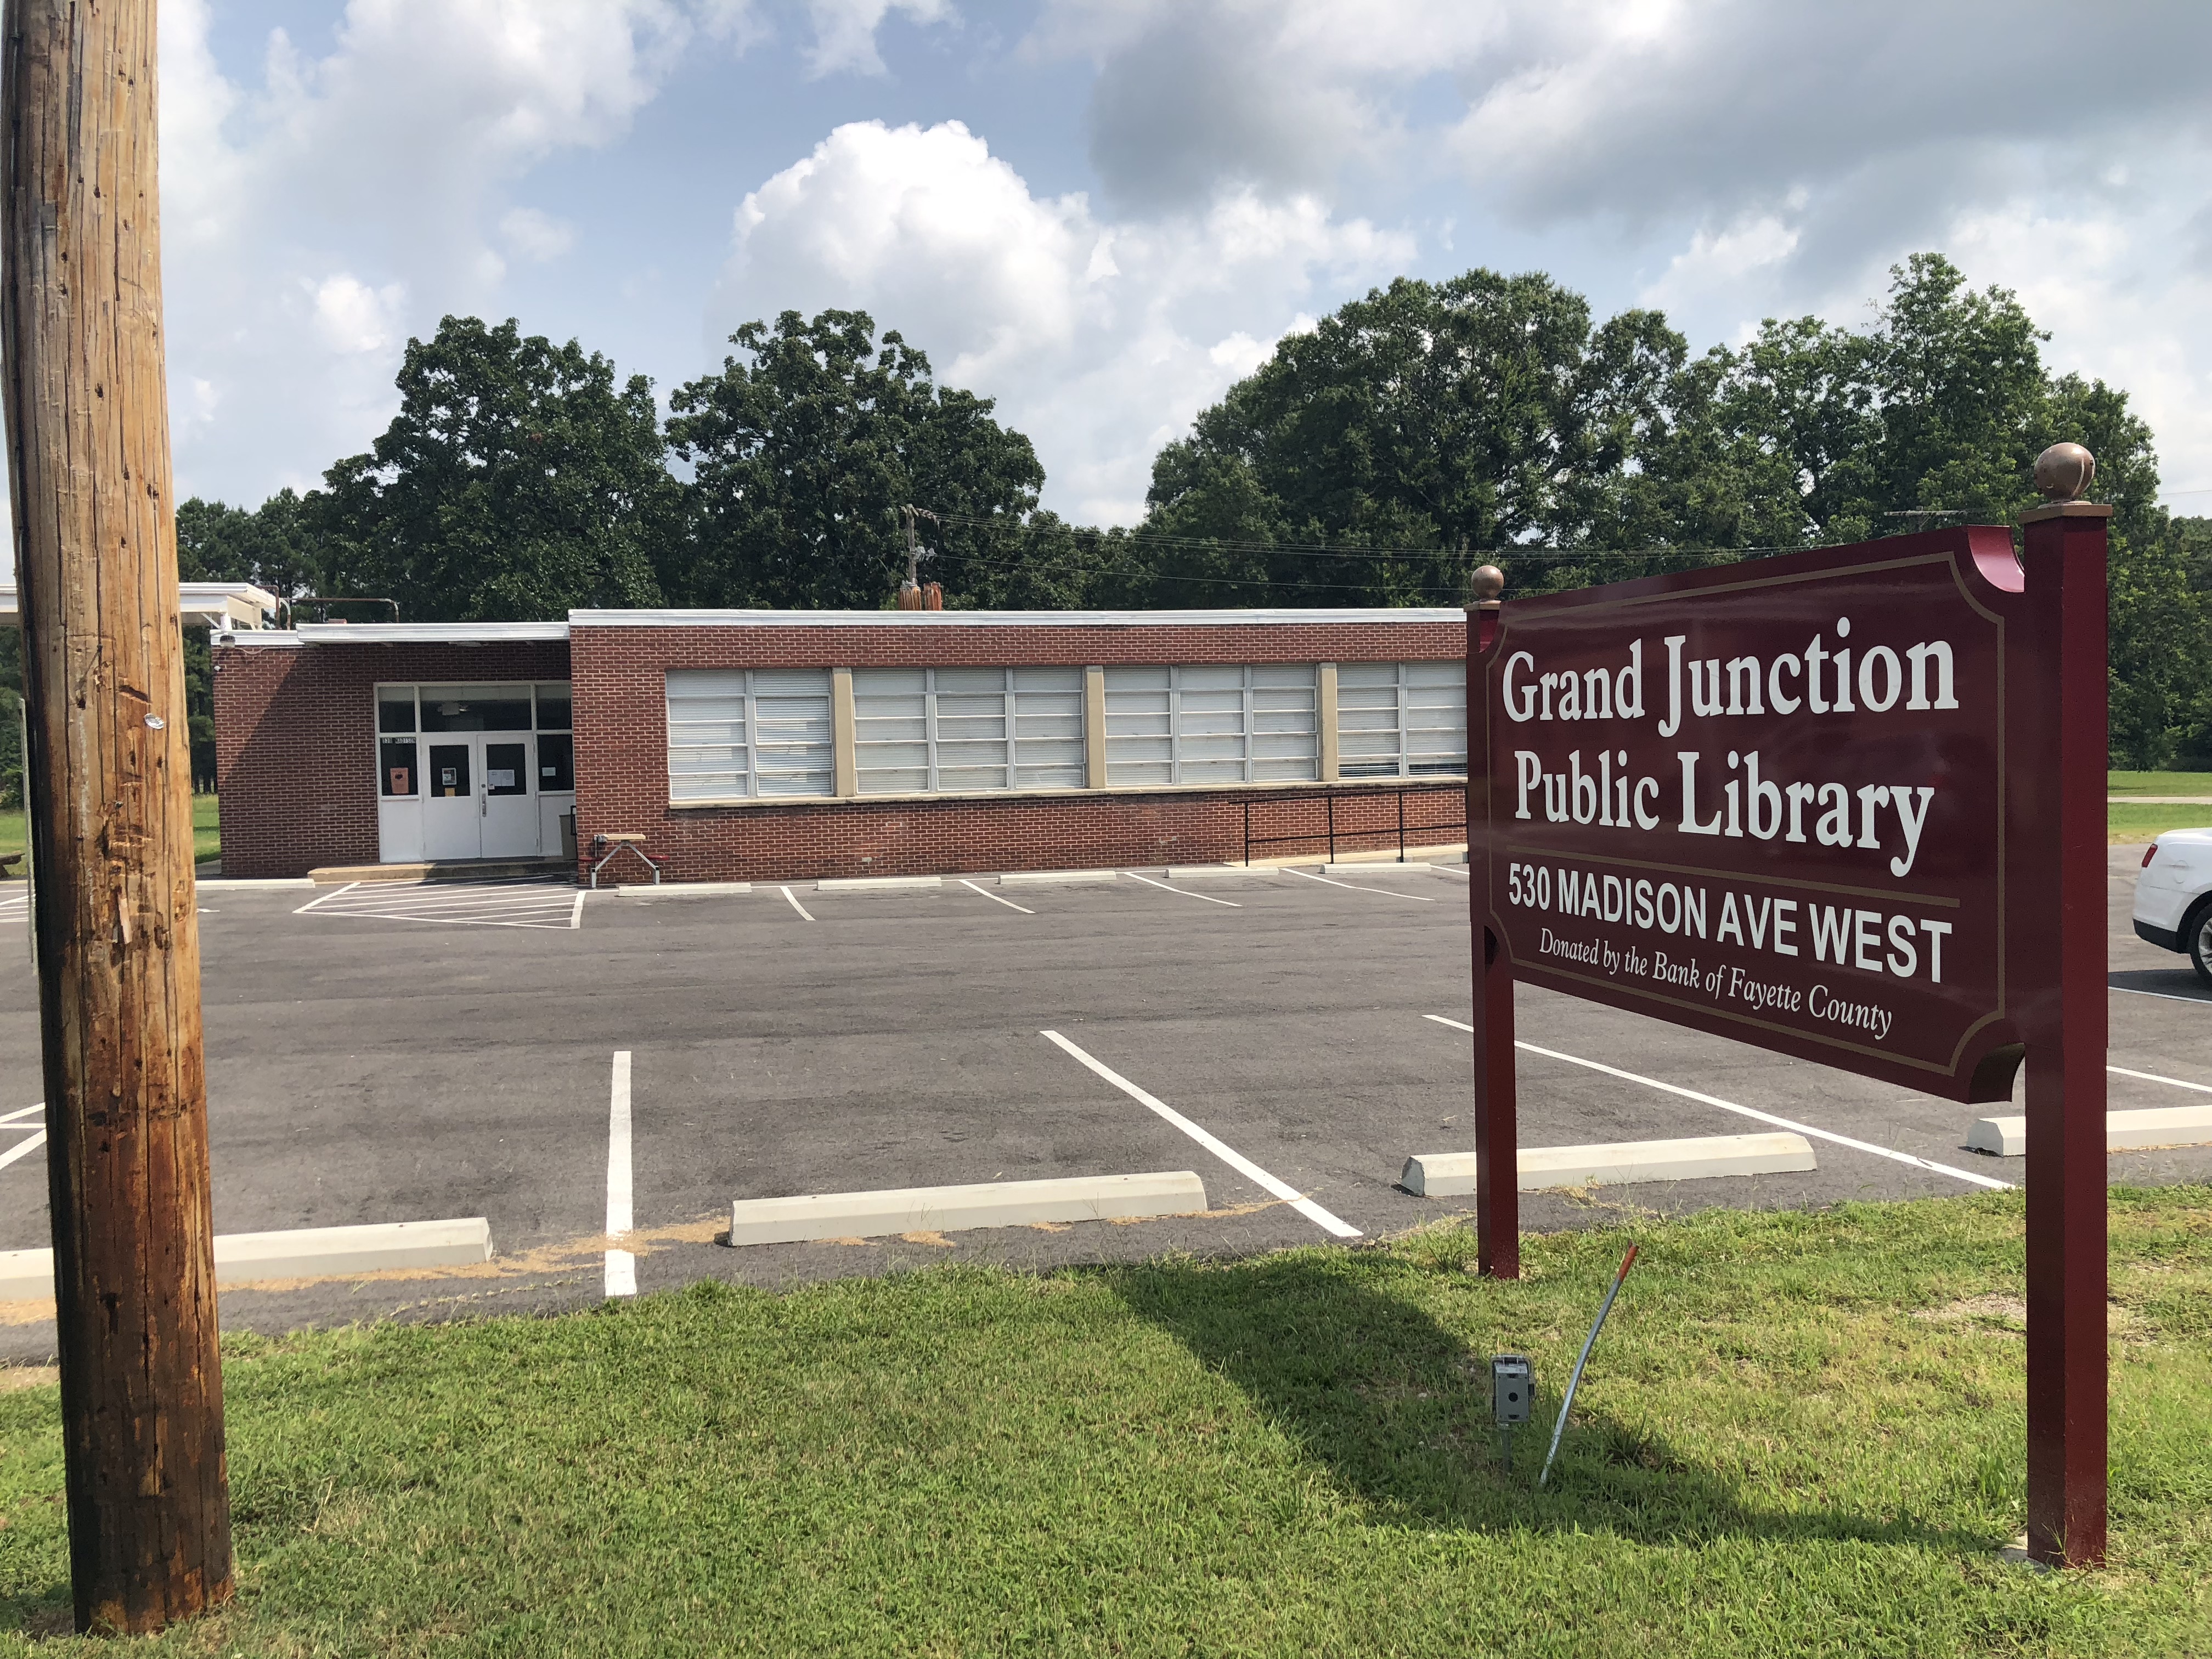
[1848,805]
[1768,801]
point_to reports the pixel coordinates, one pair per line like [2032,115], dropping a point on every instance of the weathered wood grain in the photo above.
[117,925]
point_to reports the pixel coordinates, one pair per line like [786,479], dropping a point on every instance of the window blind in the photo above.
[737,732]
[1401,720]
[1212,724]
[922,730]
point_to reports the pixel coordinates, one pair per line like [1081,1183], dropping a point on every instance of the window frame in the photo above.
[1010,716]
[382,692]
[750,699]
[1399,687]
[1246,733]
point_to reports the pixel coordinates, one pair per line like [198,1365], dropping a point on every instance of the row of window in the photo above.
[516,766]
[766,732]
[541,708]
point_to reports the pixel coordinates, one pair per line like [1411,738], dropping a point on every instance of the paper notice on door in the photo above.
[498,778]
[399,782]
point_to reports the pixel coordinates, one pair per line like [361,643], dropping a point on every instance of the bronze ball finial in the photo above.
[2063,472]
[1489,583]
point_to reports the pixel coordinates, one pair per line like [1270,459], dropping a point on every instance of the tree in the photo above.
[1444,418]
[806,447]
[275,547]
[518,481]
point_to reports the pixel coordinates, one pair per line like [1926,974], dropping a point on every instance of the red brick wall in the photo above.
[802,841]
[296,741]
[621,756]
[634,653]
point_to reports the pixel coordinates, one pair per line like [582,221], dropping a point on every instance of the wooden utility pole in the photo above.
[111,816]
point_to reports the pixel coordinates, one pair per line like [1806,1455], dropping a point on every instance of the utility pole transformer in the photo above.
[111,816]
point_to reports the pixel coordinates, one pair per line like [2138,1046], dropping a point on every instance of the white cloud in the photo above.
[351,318]
[316,216]
[1729,159]
[845,31]
[537,235]
[1100,340]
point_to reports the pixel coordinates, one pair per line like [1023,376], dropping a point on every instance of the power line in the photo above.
[1292,584]
[1520,550]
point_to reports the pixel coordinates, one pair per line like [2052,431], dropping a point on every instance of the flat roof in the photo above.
[508,633]
[403,634]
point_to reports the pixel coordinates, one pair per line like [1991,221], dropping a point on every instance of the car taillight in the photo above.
[2149,853]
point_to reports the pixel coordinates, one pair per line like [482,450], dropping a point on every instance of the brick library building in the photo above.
[755,746]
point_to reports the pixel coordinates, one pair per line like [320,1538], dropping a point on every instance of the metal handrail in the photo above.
[1330,832]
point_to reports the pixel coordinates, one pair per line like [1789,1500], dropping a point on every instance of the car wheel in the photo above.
[2197,934]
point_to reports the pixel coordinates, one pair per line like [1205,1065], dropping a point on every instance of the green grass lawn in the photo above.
[1801,1435]
[2158,783]
[206,831]
[2128,823]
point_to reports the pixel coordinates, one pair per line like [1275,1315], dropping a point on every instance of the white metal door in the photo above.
[452,817]
[508,801]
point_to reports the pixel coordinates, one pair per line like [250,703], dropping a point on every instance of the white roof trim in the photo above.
[1001,618]
[505,633]
[406,634]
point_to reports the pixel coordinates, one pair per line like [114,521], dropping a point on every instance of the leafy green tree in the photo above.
[805,448]
[277,546]
[1453,418]
[518,481]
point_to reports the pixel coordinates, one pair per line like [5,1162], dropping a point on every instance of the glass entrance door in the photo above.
[472,771]
[510,816]
[452,820]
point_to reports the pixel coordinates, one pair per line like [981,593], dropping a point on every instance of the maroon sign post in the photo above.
[1848,805]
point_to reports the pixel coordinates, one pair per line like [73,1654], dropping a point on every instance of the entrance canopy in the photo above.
[225,605]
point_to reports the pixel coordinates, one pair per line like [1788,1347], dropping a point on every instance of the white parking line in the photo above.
[519,903]
[622,1265]
[1745,1111]
[995,899]
[429,899]
[6,1118]
[576,915]
[1419,898]
[1164,888]
[795,904]
[1235,1160]
[321,898]
[2153,1077]
[22,1149]
[2163,996]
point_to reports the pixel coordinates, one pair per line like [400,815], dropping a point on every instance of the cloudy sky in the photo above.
[1101,212]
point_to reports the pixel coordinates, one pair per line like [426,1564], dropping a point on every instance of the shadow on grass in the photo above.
[1398,1411]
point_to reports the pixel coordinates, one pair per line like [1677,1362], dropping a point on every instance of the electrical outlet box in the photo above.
[1512,1388]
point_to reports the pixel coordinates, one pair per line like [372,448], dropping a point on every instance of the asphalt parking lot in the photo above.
[396,1054]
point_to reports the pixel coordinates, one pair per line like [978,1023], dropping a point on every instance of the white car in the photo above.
[2174,897]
